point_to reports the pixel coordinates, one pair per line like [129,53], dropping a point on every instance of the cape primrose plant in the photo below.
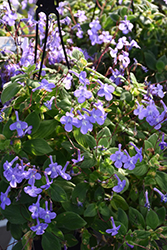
[84,166]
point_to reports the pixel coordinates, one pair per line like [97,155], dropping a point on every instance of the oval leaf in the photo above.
[57,193]
[50,241]
[70,220]
[37,147]
[10,91]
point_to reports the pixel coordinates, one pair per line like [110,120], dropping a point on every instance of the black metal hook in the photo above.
[48,7]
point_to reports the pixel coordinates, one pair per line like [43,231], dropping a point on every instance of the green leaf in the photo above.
[106,167]
[161,179]
[6,130]
[141,234]
[103,209]
[85,237]
[68,186]
[27,240]
[119,202]
[84,140]
[152,219]
[160,65]
[33,120]
[104,136]
[114,17]
[153,139]
[122,231]
[37,147]
[100,226]
[70,220]
[10,91]
[70,207]
[18,246]
[127,96]
[136,218]
[45,128]
[80,192]
[161,212]
[77,54]
[108,23]
[140,169]
[20,214]
[93,177]
[89,161]
[150,60]
[90,140]
[57,193]
[50,241]
[16,231]
[122,217]
[91,210]
[70,239]
[164,232]
[147,145]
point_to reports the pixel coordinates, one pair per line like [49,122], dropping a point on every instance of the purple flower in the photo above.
[81,16]
[9,17]
[124,58]
[125,26]
[84,123]
[83,79]
[105,37]
[79,30]
[94,37]
[39,228]
[5,201]
[119,157]
[162,143]
[163,196]
[48,182]
[32,175]
[55,170]
[106,91]
[139,152]
[157,90]
[68,81]
[8,167]
[120,186]
[95,26]
[35,208]
[32,190]
[44,84]
[93,33]
[27,130]
[114,230]
[79,157]
[131,161]
[15,176]
[96,115]
[82,93]
[52,169]
[115,76]
[47,215]
[18,125]
[62,173]
[69,121]
[81,76]
[122,42]
[152,113]
[147,204]
[129,245]
[140,111]
[48,104]
[61,7]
